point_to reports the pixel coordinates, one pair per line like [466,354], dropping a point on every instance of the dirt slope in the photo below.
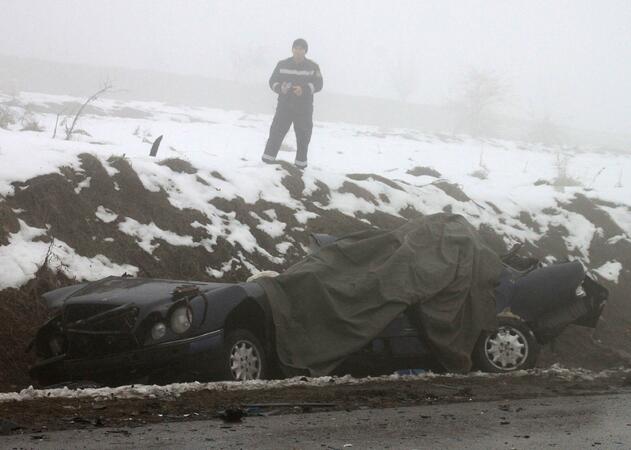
[55,202]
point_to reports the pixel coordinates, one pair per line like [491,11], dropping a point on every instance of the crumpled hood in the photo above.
[118,290]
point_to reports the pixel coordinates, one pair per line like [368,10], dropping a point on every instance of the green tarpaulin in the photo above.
[335,301]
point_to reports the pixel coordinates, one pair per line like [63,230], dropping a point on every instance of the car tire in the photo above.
[513,346]
[244,357]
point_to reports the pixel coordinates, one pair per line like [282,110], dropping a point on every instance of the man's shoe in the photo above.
[268,159]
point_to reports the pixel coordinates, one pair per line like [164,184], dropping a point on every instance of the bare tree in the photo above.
[481,92]
[71,129]
[563,178]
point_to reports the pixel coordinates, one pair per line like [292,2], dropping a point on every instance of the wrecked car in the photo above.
[429,293]
[121,329]
[534,304]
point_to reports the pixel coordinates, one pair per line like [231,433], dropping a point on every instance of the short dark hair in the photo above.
[300,42]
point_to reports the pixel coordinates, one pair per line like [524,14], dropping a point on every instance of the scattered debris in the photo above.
[232,414]
[291,405]
[97,422]
[123,432]
[155,146]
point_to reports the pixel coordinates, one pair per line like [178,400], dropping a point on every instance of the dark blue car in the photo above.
[120,330]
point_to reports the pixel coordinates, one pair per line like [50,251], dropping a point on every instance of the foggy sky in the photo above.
[570,60]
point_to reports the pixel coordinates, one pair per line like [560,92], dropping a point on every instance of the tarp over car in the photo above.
[336,300]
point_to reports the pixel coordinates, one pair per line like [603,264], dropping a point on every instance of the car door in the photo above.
[402,339]
[398,346]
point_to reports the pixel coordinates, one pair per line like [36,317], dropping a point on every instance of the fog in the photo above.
[561,62]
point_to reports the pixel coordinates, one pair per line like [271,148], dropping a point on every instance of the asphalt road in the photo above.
[600,421]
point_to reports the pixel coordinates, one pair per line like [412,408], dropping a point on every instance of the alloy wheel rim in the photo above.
[245,361]
[507,349]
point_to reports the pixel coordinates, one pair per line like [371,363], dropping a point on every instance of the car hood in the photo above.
[119,290]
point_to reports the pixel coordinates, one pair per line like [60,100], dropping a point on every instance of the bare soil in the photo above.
[36,416]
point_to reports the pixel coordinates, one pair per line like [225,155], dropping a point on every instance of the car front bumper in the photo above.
[174,355]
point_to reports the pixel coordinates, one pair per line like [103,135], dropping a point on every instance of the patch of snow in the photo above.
[618,238]
[22,257]
[248,265]
[273,228]
[44,156]
[105,215]
[610,271]
[146,234]
[271,214]
[225,267]
[581,234]
[82,185]
[580,230]
[177,389]
[302,216]
[283,247]
[214,272]
[621,215]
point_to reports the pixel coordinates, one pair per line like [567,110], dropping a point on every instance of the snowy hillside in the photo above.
[522,192]
[207,208]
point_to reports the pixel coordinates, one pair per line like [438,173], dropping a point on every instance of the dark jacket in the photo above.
[289,73]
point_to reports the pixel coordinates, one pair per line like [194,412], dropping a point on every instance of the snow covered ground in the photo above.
[177,389]
[503,179]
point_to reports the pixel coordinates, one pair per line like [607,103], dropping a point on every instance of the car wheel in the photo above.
[511,347]
[245,357]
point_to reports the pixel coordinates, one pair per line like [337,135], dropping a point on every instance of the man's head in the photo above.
[299,49]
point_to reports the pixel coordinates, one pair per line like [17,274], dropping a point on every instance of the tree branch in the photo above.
[70,129]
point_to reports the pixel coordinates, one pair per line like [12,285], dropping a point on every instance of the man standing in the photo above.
[295,80]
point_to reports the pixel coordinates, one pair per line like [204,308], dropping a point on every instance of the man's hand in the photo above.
[284,88]
[298,90]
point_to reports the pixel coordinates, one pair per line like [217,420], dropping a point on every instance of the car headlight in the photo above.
[158,331]
[181,319]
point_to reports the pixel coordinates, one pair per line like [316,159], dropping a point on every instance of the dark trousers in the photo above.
[302,118]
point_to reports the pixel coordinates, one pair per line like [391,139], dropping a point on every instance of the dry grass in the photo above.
[6,117]
[32,125]
[563,177]
[22,313]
